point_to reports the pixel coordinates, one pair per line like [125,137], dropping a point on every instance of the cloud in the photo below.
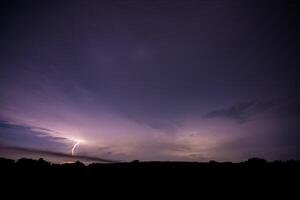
[29,136]
[240,112]
[290,109]
[166,124]
[30,151]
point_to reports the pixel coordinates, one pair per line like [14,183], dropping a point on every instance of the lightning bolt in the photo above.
[74,147]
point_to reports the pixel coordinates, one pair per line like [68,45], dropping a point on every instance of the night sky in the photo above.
[151,80]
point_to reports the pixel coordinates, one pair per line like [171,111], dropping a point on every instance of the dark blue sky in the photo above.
[151,80]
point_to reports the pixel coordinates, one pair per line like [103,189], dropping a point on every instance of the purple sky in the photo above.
[151,80]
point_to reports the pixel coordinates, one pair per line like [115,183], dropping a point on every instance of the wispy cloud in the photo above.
[29,136]
[43,153]
[240,112]
[290,109]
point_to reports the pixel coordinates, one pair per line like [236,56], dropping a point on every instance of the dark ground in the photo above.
[253,175]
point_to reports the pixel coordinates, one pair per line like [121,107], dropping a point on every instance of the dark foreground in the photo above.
[251,175]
